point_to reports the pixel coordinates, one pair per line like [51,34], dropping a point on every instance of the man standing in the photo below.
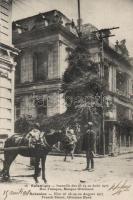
[89,146]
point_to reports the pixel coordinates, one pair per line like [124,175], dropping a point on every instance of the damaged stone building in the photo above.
[43,40]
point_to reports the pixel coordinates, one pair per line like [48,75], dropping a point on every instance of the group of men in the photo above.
[88,145]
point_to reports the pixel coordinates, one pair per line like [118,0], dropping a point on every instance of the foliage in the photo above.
[82,88]
[23,125]
[81,82]
[57,122]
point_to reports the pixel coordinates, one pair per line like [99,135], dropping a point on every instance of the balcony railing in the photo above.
[122,93]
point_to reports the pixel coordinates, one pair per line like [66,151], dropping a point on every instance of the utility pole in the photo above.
[103,33]
[78,26]
[79,17]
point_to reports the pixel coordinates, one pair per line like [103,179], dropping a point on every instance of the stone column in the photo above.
[110,78]
[112,140]
[129,141]
[63,64]
[130,87]
[114,79]
[120,144]
[124,140]
[62,105]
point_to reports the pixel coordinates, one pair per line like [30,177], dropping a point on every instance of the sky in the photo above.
[100,13]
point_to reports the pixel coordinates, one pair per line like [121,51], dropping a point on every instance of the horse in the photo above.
[40,152]
[69,148]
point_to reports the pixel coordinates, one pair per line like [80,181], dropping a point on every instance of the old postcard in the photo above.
[66,99]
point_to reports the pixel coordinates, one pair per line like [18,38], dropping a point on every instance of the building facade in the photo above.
[116,68]
[43,40]
[119,119]
[7,70]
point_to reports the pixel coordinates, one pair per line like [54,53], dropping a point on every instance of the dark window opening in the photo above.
[17,70]
[17,110]
[132,87]
[41,105]
[121,83]
[120,80]
[106,75]
[42,110]
[40,66]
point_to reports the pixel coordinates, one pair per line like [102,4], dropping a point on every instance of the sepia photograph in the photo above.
[66,99]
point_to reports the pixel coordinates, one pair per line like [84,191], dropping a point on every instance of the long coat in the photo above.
[89,141]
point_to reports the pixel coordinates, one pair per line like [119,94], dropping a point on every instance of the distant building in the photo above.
[117,71]
[43,40]
[7,70]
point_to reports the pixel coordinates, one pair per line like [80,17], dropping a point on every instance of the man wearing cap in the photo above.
[89,146]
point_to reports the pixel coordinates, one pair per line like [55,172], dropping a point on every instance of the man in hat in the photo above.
[89,146]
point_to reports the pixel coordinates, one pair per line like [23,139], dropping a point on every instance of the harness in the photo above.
[37,140]
[45,142]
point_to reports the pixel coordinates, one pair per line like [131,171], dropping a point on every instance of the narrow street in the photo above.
[111,179]
[72,171]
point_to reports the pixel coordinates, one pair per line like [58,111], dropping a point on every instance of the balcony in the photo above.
[4,54]
[123,96]
[7,53]
[122,93]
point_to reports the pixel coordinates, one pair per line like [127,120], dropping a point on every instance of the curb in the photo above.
[77,155]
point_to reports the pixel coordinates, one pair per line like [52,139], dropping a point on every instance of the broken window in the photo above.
[41,104]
